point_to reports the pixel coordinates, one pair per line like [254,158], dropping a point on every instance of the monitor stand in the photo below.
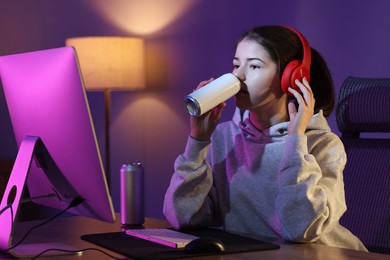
[11,201]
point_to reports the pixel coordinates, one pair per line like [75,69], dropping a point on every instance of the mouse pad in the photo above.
[142,249]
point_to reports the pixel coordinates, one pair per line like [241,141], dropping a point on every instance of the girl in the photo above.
[276,169]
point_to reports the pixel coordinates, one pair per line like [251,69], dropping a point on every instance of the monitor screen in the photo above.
[48,106]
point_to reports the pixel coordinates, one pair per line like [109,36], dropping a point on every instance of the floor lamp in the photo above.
[110,63]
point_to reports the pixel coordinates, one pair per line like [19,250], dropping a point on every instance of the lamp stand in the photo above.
[107,119]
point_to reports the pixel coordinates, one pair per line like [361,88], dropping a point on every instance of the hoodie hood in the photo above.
[275,132]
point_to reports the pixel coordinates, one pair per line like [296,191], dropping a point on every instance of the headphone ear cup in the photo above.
[297,69]
[287,80]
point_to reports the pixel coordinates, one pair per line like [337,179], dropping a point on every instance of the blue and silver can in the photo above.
[132,194]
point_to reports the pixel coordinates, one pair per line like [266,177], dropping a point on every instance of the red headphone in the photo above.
[297,69]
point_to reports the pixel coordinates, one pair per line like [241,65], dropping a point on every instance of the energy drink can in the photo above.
[132,194]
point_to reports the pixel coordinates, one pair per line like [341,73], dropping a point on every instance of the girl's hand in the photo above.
[299,120]
[203,126]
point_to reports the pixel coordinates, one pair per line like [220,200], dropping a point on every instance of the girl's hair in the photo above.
[283,46]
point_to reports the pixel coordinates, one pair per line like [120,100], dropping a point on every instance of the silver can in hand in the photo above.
[132,194]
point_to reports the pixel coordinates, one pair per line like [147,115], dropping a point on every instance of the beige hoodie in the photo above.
[263,183]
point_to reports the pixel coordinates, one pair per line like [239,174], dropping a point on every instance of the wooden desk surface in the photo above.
[69,230]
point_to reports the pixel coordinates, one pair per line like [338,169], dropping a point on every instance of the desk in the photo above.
[69,230]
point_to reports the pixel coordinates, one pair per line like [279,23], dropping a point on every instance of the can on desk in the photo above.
[132,194]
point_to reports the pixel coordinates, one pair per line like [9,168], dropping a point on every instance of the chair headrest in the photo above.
[364,105]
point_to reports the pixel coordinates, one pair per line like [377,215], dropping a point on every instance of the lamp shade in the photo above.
[110,62]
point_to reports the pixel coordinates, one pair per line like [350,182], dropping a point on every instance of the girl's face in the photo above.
[259,75]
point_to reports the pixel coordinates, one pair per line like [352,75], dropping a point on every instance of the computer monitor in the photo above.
[58,155]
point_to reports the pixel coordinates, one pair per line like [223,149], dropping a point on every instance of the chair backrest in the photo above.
[364,107]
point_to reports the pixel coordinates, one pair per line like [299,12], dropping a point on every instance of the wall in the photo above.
[186,42]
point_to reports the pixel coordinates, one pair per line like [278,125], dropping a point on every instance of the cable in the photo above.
[48,196]
[52,195]
[75,202]
[77,251]
[5,208]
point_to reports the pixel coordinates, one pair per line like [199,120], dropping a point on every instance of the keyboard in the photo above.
[162,236]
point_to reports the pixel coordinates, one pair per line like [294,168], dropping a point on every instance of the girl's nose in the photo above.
[239,74]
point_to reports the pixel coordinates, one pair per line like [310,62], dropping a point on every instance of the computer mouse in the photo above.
[205,245]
